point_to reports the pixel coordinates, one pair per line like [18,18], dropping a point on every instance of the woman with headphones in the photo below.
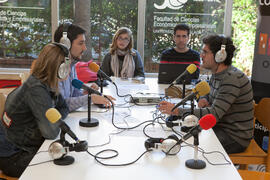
[24,126]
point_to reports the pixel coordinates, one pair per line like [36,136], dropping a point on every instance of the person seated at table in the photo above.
[122,60]
[230,99]
[181,53]
[24,126]
[75,41]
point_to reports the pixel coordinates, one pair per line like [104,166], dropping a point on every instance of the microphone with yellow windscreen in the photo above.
[95,68]
[189,70]
[201,89]
[54,116]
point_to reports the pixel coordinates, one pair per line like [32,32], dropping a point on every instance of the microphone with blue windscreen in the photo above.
[80,85]
[86,122]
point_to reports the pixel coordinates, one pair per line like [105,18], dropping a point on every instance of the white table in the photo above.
[130,145]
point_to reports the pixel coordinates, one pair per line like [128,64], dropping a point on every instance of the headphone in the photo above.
[59,149]
[187,120]
[168,145]
[172,121]
[64,39]
[63,69]
[221,55]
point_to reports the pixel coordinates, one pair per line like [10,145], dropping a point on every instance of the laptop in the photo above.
[169,72]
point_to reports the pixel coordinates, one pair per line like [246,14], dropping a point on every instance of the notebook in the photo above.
[169,72]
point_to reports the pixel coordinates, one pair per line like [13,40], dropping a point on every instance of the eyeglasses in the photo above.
[203,52]
[126,40]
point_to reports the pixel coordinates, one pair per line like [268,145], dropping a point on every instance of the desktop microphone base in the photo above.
[86,123]
[64,161]
[195,164]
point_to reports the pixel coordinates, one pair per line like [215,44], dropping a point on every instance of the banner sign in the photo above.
[261,62]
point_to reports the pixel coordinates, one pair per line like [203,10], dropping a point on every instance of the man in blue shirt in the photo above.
[73,37]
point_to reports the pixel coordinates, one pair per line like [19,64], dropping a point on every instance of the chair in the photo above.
[252,175]
[12,79]
[3,176]
[254,154]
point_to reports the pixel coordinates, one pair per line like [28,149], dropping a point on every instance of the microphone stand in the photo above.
[184,89]
[184,128]
[65,160]
[101,83]
[195,163]
[101,90]
[89,122]
[192,106]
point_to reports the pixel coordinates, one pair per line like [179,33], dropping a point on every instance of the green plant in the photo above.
[244,21]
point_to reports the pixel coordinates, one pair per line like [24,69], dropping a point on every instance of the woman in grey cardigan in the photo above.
[122,60]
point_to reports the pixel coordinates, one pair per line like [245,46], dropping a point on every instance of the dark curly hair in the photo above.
[215,41]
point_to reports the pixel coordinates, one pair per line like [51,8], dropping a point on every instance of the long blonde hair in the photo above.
[122,30]
[47,64]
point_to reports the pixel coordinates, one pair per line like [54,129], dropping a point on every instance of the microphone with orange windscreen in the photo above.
[95,68]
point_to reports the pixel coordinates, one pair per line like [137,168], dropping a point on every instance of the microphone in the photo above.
[189,70]
[87,122]
[95,68]
[201,89]
[80,85]
[206,122]
[172,145]
[53,116]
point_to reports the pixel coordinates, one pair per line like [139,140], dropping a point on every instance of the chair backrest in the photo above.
[262,112]
[251,175]
[2,104]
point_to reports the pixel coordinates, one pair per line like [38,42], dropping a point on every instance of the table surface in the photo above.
[130,145]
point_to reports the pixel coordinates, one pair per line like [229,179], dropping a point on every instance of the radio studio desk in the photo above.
[130,145]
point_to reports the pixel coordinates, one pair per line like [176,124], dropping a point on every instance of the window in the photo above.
[26,24]
[106,18]
[202,16]
[25,28]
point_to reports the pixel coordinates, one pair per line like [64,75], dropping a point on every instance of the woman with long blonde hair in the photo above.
[122,60]
[24,126]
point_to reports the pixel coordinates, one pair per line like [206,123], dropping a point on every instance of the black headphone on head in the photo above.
[63,69]
[64,39]
[221,55]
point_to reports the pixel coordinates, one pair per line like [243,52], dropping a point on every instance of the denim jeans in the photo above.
[15,164]
[230,145]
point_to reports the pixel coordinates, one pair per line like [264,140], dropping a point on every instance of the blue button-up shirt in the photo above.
[74,97]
